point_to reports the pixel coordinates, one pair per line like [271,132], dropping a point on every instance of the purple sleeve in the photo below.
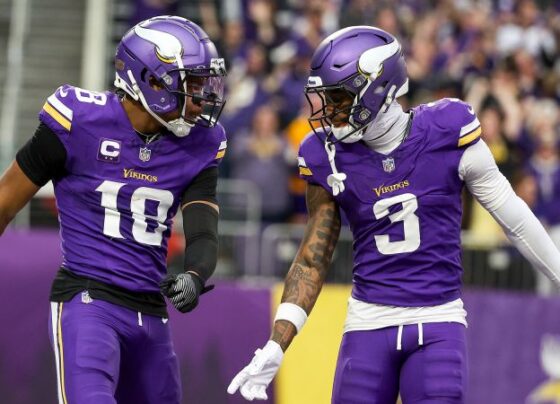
[307,160]
[218,147]
[58,111]
[459,118]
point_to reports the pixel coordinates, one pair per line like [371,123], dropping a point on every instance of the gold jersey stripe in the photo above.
[221,154]
[61,353]
[468,138]
[57,116]
[305,171]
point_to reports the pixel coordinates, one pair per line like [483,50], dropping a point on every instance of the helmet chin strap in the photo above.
[336,179]
[179,127]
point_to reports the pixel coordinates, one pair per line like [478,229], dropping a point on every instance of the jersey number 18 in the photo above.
[111,226]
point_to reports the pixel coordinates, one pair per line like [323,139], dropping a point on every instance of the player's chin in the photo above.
[193,114]
[339,121]
[192,118]
[339,124]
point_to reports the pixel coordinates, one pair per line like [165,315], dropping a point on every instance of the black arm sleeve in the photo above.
[43,157]
[200,223]
[203,187]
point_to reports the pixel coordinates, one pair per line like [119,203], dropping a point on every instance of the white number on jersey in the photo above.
[109,192]
[90,97]
[411,224]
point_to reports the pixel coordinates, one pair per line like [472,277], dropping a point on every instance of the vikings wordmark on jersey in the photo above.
[117,202]
[404,209]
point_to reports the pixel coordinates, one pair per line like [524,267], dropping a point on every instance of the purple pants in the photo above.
[108,354]
[427,365]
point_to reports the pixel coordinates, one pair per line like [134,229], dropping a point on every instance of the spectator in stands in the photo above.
[261,26]
[259,156]
[290,76]
[491,117]
[246,89]
[234,44]
[526,31]
[144,9]
[295,133]
[356,12]
[545,167]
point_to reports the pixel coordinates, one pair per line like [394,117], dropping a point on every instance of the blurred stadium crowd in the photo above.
[501,56]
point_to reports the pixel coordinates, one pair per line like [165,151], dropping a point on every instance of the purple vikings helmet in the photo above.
[365,62]
[177,55]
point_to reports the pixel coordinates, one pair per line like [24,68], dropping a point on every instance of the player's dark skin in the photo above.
[145,123]
[309,269]
[337,107]
[16,189]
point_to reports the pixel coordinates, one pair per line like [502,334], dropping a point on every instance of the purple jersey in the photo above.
[118,199]
[404,208]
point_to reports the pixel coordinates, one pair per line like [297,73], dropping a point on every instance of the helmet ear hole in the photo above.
[155,84]
[143,74]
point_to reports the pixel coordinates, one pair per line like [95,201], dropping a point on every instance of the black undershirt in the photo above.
[42,159]
[67,284]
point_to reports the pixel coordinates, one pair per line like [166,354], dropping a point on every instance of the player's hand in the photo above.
[253,380]
[184,290]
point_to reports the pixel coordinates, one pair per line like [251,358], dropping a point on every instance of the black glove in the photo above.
[184,290]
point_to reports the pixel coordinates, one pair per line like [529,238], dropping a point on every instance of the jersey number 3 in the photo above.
[111,226]
[411,224]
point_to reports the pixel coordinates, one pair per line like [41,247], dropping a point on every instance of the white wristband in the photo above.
[292,313]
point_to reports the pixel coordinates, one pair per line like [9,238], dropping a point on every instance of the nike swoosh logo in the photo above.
[471,110]
[63,93]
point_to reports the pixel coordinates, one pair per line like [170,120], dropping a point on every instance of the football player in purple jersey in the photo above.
[122,164]
[398,177]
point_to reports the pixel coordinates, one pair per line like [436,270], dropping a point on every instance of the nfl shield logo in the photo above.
[145,154]
[388,165]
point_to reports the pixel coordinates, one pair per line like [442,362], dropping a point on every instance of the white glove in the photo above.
[255,377]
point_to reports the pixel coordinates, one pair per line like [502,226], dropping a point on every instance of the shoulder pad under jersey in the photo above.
[458,118]
[311,155]
[63,106]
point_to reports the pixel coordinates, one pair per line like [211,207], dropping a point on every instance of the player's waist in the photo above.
[371,316]
[67,284]
[129,269]
[406,290]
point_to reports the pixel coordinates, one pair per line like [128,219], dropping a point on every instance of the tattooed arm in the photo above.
[301,289]
[307,274]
